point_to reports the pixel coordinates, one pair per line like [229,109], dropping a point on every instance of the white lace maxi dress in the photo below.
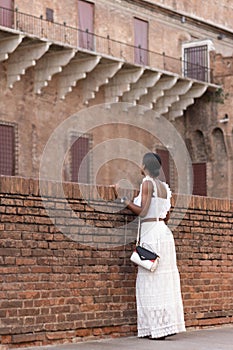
[158,294]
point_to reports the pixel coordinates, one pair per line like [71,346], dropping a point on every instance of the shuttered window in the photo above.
[80,162]
[165,173]
[199,179]
[86,25]
[6,13]
[141,41]
[49,14]
[196,62]
[196,59]
[7,147]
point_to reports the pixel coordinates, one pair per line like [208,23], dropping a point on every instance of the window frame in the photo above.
[15,146]
[49,14]
[86,38]
[195,44]
[138,50]
[7,15]
[196,186]
[76,136]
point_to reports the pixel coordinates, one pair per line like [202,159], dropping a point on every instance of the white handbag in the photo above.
[144,257]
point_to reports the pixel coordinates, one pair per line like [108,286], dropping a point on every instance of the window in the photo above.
[6,13]
[86,25]
[7,150]
[140,41]
[165,173]
[196,60]
[49,14]
[199,179]
[80,159]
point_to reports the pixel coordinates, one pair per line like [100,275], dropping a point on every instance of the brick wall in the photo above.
[204,252]
[55,289]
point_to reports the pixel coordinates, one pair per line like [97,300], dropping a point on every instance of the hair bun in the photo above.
[152,163]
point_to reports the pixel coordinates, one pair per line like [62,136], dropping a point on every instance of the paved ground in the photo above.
[211,339]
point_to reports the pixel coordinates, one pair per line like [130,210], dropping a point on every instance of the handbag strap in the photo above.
[139,229]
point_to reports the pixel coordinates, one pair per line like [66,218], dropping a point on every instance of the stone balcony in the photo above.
[54,49]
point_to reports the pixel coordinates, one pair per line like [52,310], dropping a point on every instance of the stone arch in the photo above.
[219,164]
[219,145]
[189,146]
[199,147]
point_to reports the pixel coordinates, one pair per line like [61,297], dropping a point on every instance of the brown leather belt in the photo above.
[152,219]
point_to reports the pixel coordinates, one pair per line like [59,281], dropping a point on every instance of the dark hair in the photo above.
[152,163]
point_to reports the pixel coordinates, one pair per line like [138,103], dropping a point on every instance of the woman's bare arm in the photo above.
[147,192]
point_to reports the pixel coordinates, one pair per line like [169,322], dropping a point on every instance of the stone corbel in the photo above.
[50,64]
[8,45]
[140,88]
[23,57]
[164,83]
[172,95]
[121,83]
[76,70]
[98,77]
[177,109]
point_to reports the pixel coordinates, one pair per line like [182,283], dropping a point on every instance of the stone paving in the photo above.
[209,339]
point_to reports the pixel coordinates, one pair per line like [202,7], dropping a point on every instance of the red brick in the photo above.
[6,339]
[83,332]
[60,335]
[26,338]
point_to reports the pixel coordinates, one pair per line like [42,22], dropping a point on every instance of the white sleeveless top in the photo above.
[159,206]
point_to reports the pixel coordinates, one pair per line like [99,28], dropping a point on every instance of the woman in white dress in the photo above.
[159,302]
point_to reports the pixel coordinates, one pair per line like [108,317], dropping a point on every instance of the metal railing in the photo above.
[75,37]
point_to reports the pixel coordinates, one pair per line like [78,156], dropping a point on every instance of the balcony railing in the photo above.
[84,40]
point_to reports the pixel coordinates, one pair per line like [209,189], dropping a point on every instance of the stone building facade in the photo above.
[172,59]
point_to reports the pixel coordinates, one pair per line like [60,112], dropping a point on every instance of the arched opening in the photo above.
[219,170]
[199,158]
